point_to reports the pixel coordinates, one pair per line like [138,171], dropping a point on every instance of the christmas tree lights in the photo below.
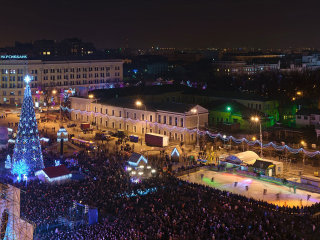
[27,148]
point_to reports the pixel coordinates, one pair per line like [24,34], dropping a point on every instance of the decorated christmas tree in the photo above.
[27,149]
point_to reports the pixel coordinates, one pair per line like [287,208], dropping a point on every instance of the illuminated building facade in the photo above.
[79,75]
[176,120]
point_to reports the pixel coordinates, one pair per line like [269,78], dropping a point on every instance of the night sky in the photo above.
[164,23]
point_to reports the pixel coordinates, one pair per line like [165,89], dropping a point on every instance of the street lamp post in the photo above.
[195,111]
[139,104]
[54,92]
[257,120]
[229,109]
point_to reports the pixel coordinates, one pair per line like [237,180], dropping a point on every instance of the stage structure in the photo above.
[27,148]
[78,215]
[12,227]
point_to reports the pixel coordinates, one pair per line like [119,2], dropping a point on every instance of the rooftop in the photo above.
[129,102]
[53,172]
[308,111]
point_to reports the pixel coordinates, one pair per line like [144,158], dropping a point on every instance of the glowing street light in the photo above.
[299,93]
[229,109]
[254,138]
[303,143]
[139,103]
[54,92]
[257,120]
[195,111]
[91,96]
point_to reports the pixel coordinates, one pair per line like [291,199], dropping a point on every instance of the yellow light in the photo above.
[293,99]
[194,110]
[303,142]
[54,91]
[138,103]
[255,119]
[253,138]
[91,96]
[299,93]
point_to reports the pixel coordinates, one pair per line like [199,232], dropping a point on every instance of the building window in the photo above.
[134,128]
[127,127]
[106,111]
[112,112]
[120,113]
[165,119]
[101,110]
[175,136]
[176,121]
[170,120]
[142,130]
[192,137]
[120,126]
[164,133]
[305,117]
[159,119]
[112,124]
[150,118]
[150,130]
[181,137]
[181,122]
[135,116]
[106,123]
[298,116]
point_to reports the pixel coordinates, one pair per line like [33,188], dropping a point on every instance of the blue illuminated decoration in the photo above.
[135,71]
[175,152]
[27,147]
[14,57]
[140,192]
[57,163]
[135,164]
[20,168]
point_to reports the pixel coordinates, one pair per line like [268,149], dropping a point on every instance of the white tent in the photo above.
[247,158]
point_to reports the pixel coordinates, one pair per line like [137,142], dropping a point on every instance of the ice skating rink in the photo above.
[225,181]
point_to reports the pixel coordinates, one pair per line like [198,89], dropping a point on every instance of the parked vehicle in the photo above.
[134,138]
[85,126]
[157,140]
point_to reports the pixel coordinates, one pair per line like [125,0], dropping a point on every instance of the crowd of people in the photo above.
[174,210]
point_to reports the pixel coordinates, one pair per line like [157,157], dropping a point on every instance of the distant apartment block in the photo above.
[311,62]
[241,67]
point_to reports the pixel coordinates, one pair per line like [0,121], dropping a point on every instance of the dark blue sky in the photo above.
[167,23]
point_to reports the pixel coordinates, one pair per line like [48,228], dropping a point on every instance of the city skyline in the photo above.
[179,24]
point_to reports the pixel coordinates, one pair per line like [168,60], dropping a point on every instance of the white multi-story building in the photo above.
[79,75]
[176,120]
[308,117]
[311,62]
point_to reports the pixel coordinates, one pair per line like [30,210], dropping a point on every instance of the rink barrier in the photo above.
[276,180]
[191,170]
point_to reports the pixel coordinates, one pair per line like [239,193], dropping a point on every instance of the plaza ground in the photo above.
[292,171]
[225,181]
